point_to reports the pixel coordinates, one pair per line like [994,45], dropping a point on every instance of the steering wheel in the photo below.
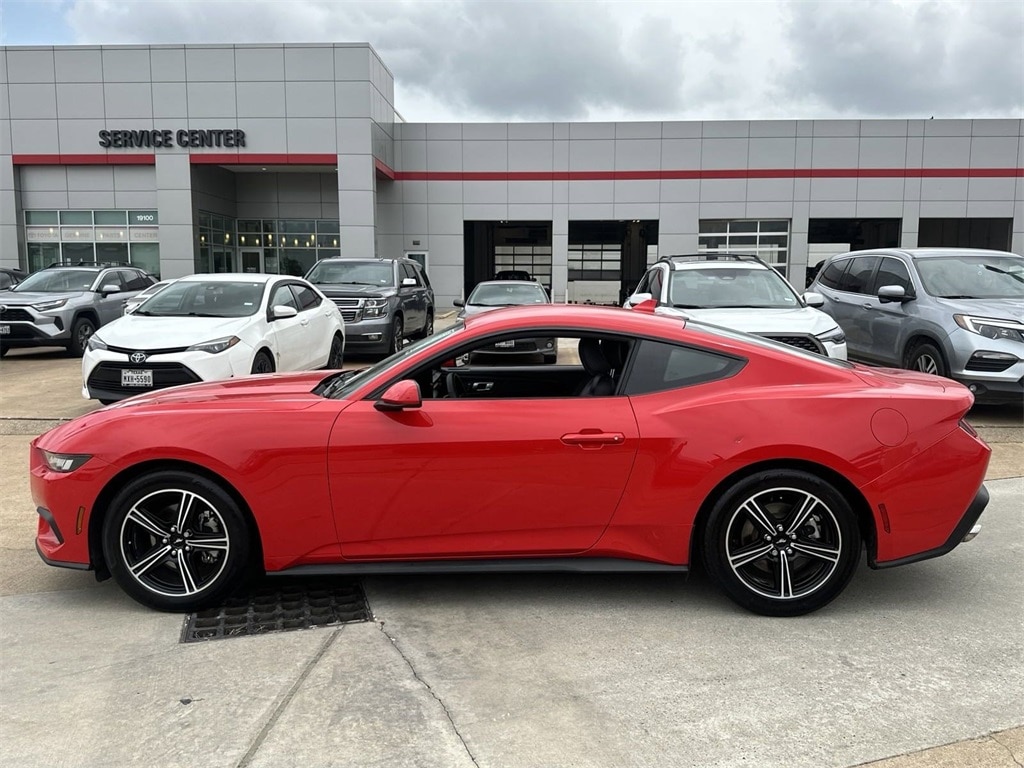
[454,384]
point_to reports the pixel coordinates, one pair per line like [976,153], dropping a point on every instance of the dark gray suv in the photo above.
[383,301]
[63,306]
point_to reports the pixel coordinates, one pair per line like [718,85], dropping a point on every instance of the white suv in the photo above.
[743,293]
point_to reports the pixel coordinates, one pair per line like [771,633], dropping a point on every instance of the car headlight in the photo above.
[64,462]
[375,308]
[215,346]
[991,327]
[43,306]
[836,336]
[95,343]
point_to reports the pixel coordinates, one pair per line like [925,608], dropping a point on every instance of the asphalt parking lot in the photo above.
[915,666]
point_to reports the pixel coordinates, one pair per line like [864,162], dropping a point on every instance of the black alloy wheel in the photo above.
[175,541]
[81,332]
[397,336]
[927,358]
[262,363]
[336,357]
[782,543]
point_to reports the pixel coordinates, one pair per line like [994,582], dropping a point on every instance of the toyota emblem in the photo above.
[138,357]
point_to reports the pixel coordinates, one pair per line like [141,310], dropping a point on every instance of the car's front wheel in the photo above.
[927,358]
[782,542]
[175,541]
[262,363]
[81,332]
[336,357]
[397,336]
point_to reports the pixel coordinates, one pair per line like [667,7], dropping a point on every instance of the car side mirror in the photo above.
[282,311]
[458,303]
[638,298]
[106,290]
[812,299]
[400,396]
[408,282]
[891,293]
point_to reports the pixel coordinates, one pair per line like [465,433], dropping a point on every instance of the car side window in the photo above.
[659,366]
[6,281]
[283,297]
[893,272]
[112,277]
[306,298]
[421,273]
[137,281]
[408,271]
[644,286]
[858,277]
[657,278]
[833,274]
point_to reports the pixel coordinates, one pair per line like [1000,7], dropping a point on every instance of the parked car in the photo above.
[130,305]
[10,277]
[513,274]
[383,301]
[740,292]
[495,294]
[671,442]
[211,327]
[63,306]
[955,312]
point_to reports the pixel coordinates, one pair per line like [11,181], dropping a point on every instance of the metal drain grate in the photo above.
[279,609]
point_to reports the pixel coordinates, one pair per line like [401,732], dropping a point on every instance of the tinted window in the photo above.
[644,286]
[136,281]
[858,277]
[340,271]
[659,366]
[893,272]
[283,297]
[657,278]
[833,273]
[307,298]
[408,271]
[422,274]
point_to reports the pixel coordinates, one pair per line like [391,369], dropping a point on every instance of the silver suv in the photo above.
[63,306]
[383,301]
[955,312]
[743,293]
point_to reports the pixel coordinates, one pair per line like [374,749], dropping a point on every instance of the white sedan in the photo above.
[210,327]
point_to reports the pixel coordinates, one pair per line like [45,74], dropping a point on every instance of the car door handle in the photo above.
[481,386]
[593,439]
[303,322]
[868,306]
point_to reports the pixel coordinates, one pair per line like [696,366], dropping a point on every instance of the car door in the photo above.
[887,321]
[851,304]
[286,334]
[110,305]
[316,337]
[413,298]
[479,477]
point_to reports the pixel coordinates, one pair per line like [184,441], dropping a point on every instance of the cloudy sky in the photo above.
[554,60]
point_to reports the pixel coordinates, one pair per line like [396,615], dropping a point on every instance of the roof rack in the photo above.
[714,256]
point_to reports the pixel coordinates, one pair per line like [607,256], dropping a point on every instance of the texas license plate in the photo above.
[130,378]
[510,344]
[5,330]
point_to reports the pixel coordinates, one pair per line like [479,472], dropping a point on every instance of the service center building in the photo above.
[253,158]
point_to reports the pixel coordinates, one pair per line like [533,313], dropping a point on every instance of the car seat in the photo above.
[599,383]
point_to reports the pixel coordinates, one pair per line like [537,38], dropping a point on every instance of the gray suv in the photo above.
[63,306]
[383,301]
[955,312]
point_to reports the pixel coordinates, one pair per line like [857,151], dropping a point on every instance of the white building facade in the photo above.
[195,158]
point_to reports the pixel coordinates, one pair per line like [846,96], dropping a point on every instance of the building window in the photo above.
[105,237]
[766,239]
[274,246]
[965,233]
[535,259]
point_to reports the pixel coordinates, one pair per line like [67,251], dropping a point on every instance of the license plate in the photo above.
[136,378]
[505,344]
[5,330]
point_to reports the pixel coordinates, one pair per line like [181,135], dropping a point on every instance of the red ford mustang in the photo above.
[651,444]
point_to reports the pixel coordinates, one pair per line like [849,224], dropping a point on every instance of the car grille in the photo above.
[351,309]
[988,366]
[15,314]
[809,343]
[150,352]
[107,376]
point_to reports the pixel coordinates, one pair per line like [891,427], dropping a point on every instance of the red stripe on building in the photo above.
[239,158]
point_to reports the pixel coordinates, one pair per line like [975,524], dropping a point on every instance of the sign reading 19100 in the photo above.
[155,139]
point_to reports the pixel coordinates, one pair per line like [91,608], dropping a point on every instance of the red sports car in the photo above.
[668,442]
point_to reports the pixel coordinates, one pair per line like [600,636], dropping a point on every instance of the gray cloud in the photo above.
[884,58]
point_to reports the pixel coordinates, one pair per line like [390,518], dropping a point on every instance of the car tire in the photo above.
[81,330]
[262,363]
[782,543]
[336,357]
[107,402]
[397,336]
[927,358]
[3,351]
[428,326]
[176,541]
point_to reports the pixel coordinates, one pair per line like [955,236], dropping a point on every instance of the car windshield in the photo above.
[340,385]
[972,277]
[740,286]
[57,281]
[194,298]
[506,295]
[379,273]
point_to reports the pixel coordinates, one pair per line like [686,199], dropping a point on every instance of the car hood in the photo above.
[760,321]
[143,332]
[271,387]
[347,290]
[21,298]
[994,308]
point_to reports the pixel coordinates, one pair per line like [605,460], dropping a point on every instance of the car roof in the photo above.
[624,321]
[532,283]
[233,277]
[680,266]
[713,260]
[928,253]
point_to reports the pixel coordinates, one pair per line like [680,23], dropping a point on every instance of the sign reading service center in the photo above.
[157,138]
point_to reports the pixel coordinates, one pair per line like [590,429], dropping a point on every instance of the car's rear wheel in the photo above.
[262,363]
[927,358]
[81,332]
[175,541]
[336,357]
[428,326]
[782,543]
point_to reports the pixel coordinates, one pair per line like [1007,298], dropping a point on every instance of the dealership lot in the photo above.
[515,670]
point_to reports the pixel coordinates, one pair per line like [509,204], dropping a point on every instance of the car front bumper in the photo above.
[42,330]
[993,369]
